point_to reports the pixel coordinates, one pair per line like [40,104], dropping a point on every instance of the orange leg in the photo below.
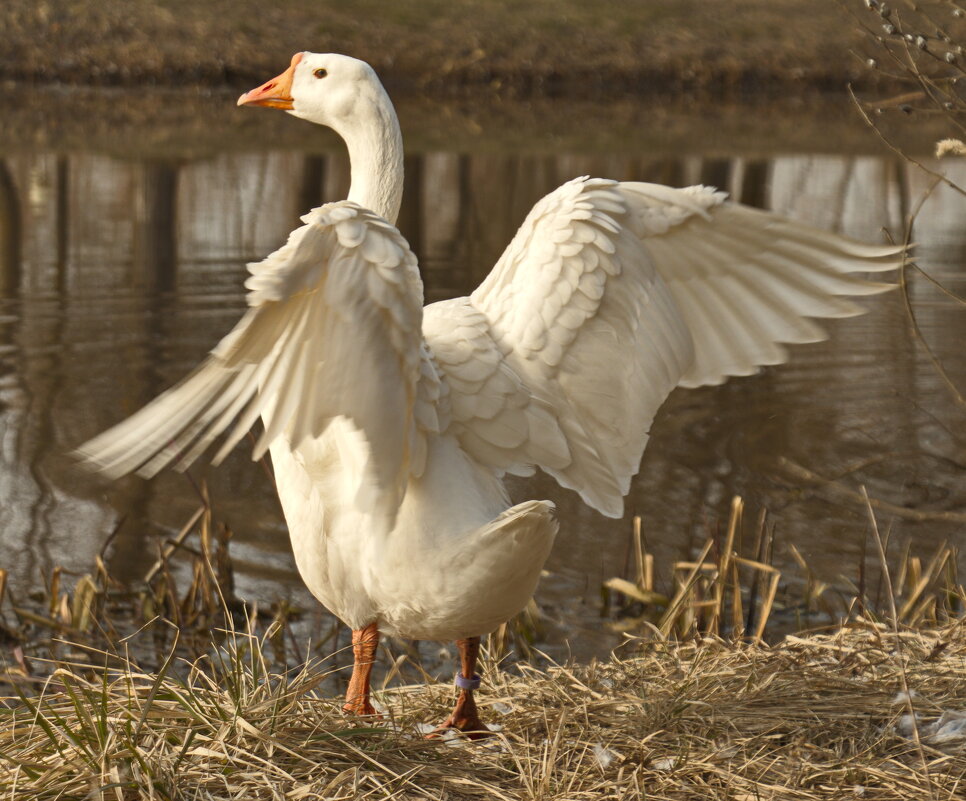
[465,717]
[364,643]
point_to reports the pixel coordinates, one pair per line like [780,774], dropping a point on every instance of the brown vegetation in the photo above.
[865,712]
[607,47]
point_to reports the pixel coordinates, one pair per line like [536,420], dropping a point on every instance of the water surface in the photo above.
[120,267]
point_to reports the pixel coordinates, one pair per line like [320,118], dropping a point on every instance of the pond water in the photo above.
[120,267]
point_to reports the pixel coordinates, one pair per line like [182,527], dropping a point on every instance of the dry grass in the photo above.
[733,589]
[694,705]
[814,717]
[528,48]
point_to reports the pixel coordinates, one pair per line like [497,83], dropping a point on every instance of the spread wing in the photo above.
[610,295]
[744,280]
[333,329]
[578,311]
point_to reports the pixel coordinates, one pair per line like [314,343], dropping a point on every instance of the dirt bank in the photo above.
[608,47]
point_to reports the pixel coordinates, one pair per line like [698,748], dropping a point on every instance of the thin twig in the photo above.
[868,120]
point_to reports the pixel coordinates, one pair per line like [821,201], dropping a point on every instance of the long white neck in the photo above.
[376,156]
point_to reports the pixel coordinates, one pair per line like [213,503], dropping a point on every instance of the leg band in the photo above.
[468,684]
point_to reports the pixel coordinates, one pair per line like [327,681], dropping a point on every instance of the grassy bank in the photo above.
[176,689]
[817,717]
[608,47]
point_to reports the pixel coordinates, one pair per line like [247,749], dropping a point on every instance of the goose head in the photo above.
[325,88]
[344,94]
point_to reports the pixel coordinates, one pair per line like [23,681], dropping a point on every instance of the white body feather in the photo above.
[391,427]
[442,572]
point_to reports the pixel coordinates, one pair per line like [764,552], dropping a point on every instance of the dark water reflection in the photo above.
[117,275]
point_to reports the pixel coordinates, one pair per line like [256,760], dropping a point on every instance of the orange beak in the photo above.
[276,93]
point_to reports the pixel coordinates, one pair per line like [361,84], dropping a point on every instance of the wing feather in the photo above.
[746,281]
[333,330]
[583,319]
[610,295]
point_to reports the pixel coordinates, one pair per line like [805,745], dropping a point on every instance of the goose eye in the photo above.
[321,72]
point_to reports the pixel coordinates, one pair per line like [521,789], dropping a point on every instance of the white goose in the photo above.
[391,426]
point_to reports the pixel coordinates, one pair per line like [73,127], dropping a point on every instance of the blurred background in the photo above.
[445,46]
[133,192]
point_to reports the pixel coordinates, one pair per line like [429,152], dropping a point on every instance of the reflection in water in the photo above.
[10,234]
[155,240]
[117,276]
